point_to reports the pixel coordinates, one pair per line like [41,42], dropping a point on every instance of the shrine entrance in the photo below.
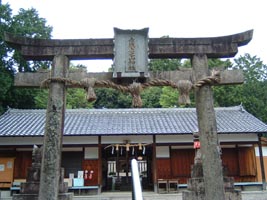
[130,50]
[116,170]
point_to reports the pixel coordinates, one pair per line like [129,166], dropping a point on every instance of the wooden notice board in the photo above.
[6,172]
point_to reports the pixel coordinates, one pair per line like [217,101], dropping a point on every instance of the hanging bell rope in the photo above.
[184,87]
[89,84]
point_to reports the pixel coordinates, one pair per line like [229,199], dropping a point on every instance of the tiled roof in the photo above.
[129,121]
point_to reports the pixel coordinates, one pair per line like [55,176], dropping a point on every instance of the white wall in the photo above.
[91,153]
[121,139]
[264,151]
[163,152]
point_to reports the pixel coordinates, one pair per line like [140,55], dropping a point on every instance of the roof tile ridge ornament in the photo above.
[241,108]
[7,111]
[233,108]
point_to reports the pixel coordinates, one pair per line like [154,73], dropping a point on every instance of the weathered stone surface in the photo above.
[233,195]
[192,195]
[197,170]
[196,184]
[213,47]
[30,189]
[229,184]
[208,180]
[33,174]
[33,187]
[212,164]
[196,187]
[51,158]
[29,79]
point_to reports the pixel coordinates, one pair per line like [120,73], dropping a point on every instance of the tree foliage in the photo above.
[111,98]
[25,23]
[253,68]
[165,96]
[151,97]
[253,93]
[169,97]
[164,64]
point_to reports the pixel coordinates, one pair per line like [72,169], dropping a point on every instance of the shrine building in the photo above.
[102,142]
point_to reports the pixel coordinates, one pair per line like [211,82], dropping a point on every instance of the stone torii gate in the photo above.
[61,51]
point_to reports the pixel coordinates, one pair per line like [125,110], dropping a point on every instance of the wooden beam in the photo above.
[263,178]
[77,49]
[30,79]
[100,169]
[154,164]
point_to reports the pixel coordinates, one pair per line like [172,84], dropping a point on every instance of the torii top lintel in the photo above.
[77,49]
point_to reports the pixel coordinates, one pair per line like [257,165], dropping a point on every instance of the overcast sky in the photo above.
[175,18]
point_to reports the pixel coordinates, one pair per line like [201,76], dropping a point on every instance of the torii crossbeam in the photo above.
[197,49]
[77,49]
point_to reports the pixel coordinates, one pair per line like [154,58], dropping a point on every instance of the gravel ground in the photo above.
[246,195]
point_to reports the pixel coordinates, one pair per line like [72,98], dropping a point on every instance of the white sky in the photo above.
[175,18]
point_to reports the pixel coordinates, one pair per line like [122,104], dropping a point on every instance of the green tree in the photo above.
[253,68]
[212,63]
[76,99]
[164,64]
[75,96]
[40,99]
[219,63]
[111,98]
[161,96]
[151,97]
[6,69]
[25,23]
[252,94]
[169,97]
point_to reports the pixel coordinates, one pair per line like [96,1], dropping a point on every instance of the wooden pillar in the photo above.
[212,164]
[154,164]
[100,171]
[51,160]
[262,163]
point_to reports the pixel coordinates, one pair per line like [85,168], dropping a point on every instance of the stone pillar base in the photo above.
[196,188]
[63,196]
[233,195]
[192,195]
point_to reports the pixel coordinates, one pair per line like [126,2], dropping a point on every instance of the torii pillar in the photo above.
[211,160]
[54,127]
[197,49]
